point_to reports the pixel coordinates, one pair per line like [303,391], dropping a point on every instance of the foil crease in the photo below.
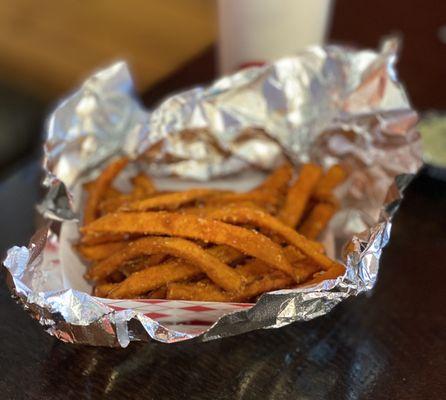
[327,104]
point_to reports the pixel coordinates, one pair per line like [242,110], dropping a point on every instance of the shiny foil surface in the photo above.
[327,105]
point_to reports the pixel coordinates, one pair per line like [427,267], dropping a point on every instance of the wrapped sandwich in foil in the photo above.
[327,105]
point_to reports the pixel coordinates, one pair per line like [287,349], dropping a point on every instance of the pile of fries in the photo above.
[208,244]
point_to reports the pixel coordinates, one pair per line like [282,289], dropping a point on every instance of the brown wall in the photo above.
[423,60]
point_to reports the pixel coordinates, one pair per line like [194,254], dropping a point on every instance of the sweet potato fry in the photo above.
[170,271]
[142,186]
[88,186]
[153,278]
[262,220]
[209,292]
[267,283]
[253,268]
[102,238]
[108,193]
[334,177]
[194,227]
[293,254]
[101,185]
[110,197]
[277,182]
[103,289]
[198,291]
[109,205]
[261,198]
[332,273]
[111,192]
[169,201]
[260,279]
[217,271]
[225,254]
[305,270]
[207,210]
[299,193]
[100,251]
[317,220]
[129,268]
[116,276]
[159,293]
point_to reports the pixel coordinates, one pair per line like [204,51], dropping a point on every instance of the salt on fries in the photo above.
[208,244]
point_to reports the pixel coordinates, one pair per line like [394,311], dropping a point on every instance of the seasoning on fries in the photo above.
[207,244]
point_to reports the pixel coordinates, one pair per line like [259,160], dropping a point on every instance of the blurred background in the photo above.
[48,47]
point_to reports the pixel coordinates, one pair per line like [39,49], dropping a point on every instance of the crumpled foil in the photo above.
[327,104]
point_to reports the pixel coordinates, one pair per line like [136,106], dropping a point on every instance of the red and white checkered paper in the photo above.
[193,317]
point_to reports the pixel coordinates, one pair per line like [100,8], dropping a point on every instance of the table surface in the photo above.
[387,345]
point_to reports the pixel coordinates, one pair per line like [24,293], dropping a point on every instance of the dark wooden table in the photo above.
[388,345]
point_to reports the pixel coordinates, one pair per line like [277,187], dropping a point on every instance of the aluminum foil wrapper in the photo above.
[327,104]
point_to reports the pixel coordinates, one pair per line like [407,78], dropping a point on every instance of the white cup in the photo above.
[255,31]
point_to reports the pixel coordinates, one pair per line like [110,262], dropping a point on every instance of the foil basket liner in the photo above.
[327,105]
